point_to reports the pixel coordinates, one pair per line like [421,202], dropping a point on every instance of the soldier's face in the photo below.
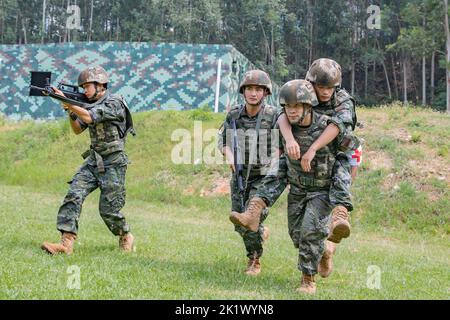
[89,89]
[324,94]
[254,94]
[294,112]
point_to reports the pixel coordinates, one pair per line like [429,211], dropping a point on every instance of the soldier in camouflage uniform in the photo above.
[108,120]
[309,206]
[254,117]
[326,77]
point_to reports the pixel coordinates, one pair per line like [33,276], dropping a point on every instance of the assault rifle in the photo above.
[40,86]
[238,167]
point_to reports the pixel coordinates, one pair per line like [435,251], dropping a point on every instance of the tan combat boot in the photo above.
[66,245]
[326,263]
[307,284]
[253,267]
[126,242]
[250,218]
[340,227]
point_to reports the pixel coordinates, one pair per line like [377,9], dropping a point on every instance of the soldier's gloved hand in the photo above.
[307,158]
[293,149]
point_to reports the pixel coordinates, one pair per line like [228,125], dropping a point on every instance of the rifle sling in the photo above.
[254,145]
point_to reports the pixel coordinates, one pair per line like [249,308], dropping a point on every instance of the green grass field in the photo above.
[186,246]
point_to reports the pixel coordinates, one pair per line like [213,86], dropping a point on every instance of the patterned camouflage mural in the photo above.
[150,76]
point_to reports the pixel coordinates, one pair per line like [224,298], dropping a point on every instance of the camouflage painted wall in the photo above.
[149,75]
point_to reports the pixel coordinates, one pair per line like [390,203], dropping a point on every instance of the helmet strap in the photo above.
[306,112]
[96,91]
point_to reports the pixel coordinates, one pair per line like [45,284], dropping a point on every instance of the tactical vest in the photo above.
[105,137]
[334,105]
[245,123]
[321,166]
[347,141]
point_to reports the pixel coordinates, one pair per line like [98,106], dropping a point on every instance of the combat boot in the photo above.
[307,284]
[126,242]
[250,218]
[326,263]
[340,227]
[66,245]
[253,267]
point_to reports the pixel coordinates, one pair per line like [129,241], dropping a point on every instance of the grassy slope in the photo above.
[186,248]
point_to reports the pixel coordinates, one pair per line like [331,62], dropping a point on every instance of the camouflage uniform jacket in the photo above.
[342,113]
[106,132]
[319,178]
[244,123]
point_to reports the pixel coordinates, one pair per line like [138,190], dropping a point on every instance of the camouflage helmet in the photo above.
[298,91]
[325,72]
[256,78]
[93,74]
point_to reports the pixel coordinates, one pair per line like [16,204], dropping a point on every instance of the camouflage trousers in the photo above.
[112,198]
[341,182]
[253,241]
[309,216]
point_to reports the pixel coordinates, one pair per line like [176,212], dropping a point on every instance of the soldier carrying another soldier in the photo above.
[253,123]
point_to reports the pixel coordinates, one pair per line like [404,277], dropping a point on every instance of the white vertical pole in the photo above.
[216,100]
[43,22]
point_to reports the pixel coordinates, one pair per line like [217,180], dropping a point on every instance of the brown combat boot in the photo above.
[66,245]
[126,242]
[326,263]
[307,284]
[250,218]
[253,267]
[340,227]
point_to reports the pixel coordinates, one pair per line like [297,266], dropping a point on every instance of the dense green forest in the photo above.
[389,50]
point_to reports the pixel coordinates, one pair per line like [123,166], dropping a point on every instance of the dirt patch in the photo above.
[216,185]
[437,121]
[165,177]
[431,168]
[433,193]
[401,135]
[377,160]
[391,182]
[419,173]
[220,186]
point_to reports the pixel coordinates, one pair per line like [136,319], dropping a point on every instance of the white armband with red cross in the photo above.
[355,157]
